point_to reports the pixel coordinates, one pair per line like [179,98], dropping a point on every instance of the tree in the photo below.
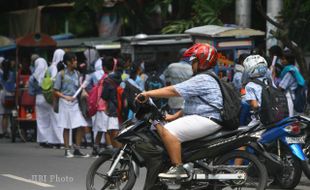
[202,12]
[294,19]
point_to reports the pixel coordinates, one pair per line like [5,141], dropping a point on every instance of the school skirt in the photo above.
[70,115]
[100,122]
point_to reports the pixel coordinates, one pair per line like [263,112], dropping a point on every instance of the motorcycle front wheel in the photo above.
[123,177]
[244,163]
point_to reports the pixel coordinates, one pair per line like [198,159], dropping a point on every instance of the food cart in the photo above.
[229,41]
[156,51]
[24,117]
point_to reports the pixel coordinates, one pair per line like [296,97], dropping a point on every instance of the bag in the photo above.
[47,87]
[131,92]
[94,101]
[154,82]
[8,99]
[122,105]
[56,99]
[231,104]
[274,106]
[300,101]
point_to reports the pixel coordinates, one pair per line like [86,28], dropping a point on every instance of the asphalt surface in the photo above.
[27,166]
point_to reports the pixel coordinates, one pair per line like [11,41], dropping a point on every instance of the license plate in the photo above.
[296,140]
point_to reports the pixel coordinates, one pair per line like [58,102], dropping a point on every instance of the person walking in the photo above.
[70,116]
[47,130]
[175,74]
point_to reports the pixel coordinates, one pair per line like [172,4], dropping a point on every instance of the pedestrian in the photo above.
[91,56]
[48,133]
[100,119]
[57,62]
[238,72]
[109,94]
[175,74]
[290,78]
[7,94]
[70,116]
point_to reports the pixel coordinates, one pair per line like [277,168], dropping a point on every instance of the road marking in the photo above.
[27,180]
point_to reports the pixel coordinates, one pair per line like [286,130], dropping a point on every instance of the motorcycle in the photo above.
[212,162]
[280,149]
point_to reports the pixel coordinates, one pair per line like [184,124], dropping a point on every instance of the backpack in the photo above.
[274,106]
[231,104]
[47,87]
[300,101]
[154,82]
[94,101]
[122,105]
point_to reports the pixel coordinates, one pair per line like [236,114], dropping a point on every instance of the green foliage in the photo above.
[203,12]
[298,30]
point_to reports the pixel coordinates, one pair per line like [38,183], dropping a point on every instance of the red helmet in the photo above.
[205,53]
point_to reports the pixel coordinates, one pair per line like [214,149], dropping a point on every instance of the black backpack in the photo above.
[300,101]
[274,106]
[231,104]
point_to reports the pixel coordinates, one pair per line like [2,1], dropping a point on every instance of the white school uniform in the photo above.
[70,115]
[47,130]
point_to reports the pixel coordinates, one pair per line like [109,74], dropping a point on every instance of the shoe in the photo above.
[95,153]
[78,153]
[68,154]
[174,172]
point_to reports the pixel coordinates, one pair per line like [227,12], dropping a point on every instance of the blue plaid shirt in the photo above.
[206,87]
[67,84]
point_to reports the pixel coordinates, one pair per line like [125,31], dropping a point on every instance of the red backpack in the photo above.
[94,101]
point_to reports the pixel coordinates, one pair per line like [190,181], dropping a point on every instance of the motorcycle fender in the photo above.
[296,150]
[135,168]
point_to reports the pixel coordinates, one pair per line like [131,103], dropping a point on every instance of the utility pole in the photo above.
[243,13]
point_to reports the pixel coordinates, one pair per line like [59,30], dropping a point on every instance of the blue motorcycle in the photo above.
[280,149]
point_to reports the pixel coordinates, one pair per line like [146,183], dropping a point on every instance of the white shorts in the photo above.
[112,123]
[192,127]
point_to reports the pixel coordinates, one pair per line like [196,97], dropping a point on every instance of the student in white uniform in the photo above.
[70,116]
[100,119]
[47,130]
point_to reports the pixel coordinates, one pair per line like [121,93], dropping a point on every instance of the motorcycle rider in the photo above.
[197,119]
[255,67]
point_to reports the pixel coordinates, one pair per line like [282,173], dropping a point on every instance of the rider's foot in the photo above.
[174,172]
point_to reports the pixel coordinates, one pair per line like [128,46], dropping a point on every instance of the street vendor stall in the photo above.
[156,51]
[24,117]
[229,41]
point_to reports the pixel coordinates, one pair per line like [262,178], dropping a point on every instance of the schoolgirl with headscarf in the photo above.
[47,129]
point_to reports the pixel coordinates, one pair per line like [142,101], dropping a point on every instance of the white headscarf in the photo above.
[98,69]
[40,68]
[57,57]
[91,56]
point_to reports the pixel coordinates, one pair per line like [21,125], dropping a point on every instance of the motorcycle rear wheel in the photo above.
[255,170]
[123,178]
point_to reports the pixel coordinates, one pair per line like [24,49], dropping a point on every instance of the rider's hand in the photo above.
[142,97]
[169,117]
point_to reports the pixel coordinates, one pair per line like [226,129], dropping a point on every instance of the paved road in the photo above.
[23,165]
